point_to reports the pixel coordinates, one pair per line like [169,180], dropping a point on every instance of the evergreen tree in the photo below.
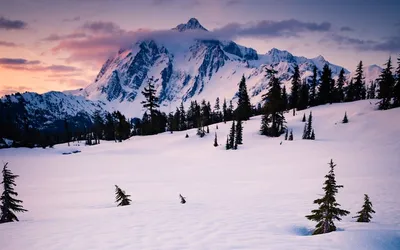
[303,97]
[170,122]
[386,82]
[9,205]
[230,111]
[340,87]
[121,198]
[309,126]
[304,118]
[308,132]
[396,92]
[371,90]
[294,96]
[358,82]
[291,136]
[208,130]
[186,136]
[313,87]
[285,101]
[304,137]
[272,123]
[325,87]
[227,145]
[328,210]
[243,110]
[286,135]
[217,111]
[182,118]
[345,120]
[224,111]
[67,132]
[350,92]
[232,136]
[151,104]
[365,214]
[239,132]
[215,140]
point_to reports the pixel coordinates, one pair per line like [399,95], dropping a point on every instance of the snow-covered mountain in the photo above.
[45,110]
[185,63]
[192,65]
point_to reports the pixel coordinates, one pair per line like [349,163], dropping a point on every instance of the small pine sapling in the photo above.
[304,118]
[121,198]
[365,214]
[215,140]
[208,130]
[312,137]
[183,199]
[186,136]
[345,119]
[286,135]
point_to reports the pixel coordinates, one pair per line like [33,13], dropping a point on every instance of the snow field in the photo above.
[252,198]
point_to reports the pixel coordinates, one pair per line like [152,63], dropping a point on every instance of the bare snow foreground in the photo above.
[252,198]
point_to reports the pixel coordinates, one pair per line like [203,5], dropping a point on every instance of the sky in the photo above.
[61,45]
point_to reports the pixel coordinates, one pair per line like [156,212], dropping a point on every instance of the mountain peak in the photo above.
[192,24]
[320,58]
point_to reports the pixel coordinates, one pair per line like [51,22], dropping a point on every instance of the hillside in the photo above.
[252,198]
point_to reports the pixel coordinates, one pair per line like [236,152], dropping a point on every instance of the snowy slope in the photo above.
[252,198]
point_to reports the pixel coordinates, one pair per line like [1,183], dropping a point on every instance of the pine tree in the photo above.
[286,134]
[67,132]
[313,87]
[215,140]
[217,111]
[243,111]
[303,96]
[151,104]
[350,92]
[309,126]
[121,198]
[325,89]
[304,118]
[294,96]
[239,132]
[182,118]
[285,101]
[227,145]
[396,90]
[345,120]
[312,137]
[304,137]
[365,214]
[186,136]
[225,111]
[272,123]
[208,130]
[328,210]
[232,136]
[358,82]
[340,84]
[9,205]
[386,82]
[291,135]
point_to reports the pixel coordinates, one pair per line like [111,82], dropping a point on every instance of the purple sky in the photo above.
[57,45]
